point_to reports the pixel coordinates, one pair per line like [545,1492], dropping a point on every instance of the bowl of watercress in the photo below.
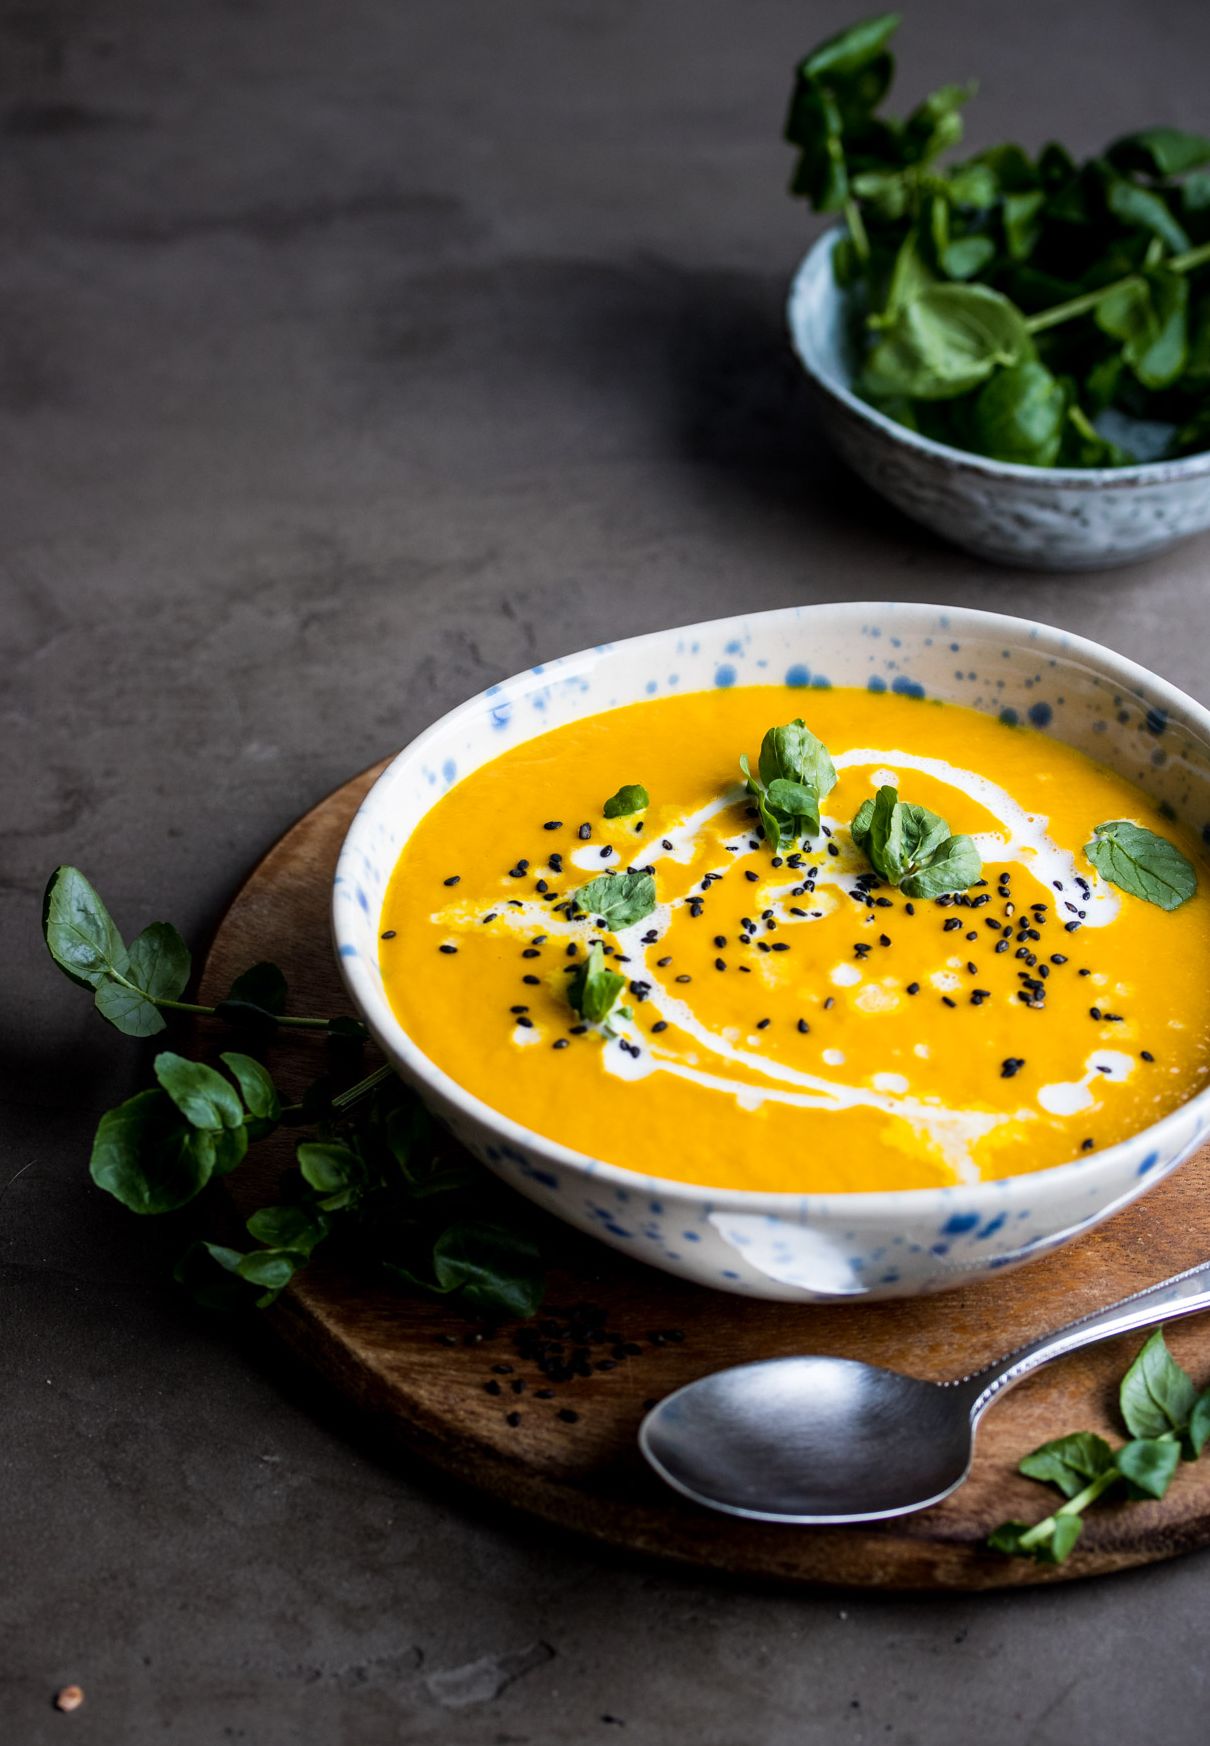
[1014,349]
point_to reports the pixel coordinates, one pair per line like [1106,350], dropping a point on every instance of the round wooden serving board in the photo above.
[441,1391]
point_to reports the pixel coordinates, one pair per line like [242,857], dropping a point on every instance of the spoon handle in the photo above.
[1182,1295]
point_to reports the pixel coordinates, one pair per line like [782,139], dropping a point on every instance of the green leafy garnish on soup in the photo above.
[619,899]
[796,773]
[911,847]
[630,797]
[1138,861]
[594,989]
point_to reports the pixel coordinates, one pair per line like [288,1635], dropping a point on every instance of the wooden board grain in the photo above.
[445,1393]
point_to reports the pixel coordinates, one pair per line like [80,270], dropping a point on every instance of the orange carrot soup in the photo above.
[906,946]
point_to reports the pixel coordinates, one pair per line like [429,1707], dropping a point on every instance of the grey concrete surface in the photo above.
[354,353]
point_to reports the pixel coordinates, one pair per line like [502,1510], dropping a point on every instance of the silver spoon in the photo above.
[818,1440]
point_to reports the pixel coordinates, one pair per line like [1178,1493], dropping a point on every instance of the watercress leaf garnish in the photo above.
[258,996]
[793,754]
[128,1009]
[288,1227]
[795,803]
[851,51]
[1149,315]
[1141,863]
[863,820]
[1148,1463]
[1156,1394]
[945,341]
[1069,1462]
[593,990]
[204,1097]
[230,1148]
[1146,210]
[272,1268]
[1060,1546]
[1159,152]
[147,1157]
[256,1086]
[332,1169]
[955,866]
[1019,415]
[80,932]
[620,899]
[494,1269]
[1199,1424]
[921,832]
[630,797]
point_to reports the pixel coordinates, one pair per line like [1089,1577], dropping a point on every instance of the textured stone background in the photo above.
[354,353]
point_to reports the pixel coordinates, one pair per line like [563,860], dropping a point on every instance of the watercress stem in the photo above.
[1075,1506]
[1083,305]
[362,1088]
[309,1024]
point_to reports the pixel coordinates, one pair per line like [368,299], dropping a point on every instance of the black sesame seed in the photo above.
[1094,1012]
[803,1027]
[946,1001]
[452,880]
[584,832]
[389,935]
[561,1044]
[491,1388]
[568,1416]
[1087,1145]
[527,1024]
[553,824]
[659,1025]
[884,939]
[684,979]
[489,918]
[829,1003]
[720,963]
[1012,1066]
[531,981]
[750,876]
[513,1419]
[948,926]
[529,952]
[448,950]
[912,988]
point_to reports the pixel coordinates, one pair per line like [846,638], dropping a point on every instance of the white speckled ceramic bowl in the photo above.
[1045,518]
[798,1246]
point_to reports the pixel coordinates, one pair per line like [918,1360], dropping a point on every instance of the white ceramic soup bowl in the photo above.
[1046,518]
[812,1247]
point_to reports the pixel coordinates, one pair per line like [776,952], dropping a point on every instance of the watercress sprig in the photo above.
[911,847]
[135,985]
[1167,1419]
[373,1180]
[796,774]
[594,989]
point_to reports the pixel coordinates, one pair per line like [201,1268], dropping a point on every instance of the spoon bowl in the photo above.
[812,1440]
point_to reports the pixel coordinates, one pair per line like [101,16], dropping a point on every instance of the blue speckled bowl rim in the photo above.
[962,460]
[396,1044]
